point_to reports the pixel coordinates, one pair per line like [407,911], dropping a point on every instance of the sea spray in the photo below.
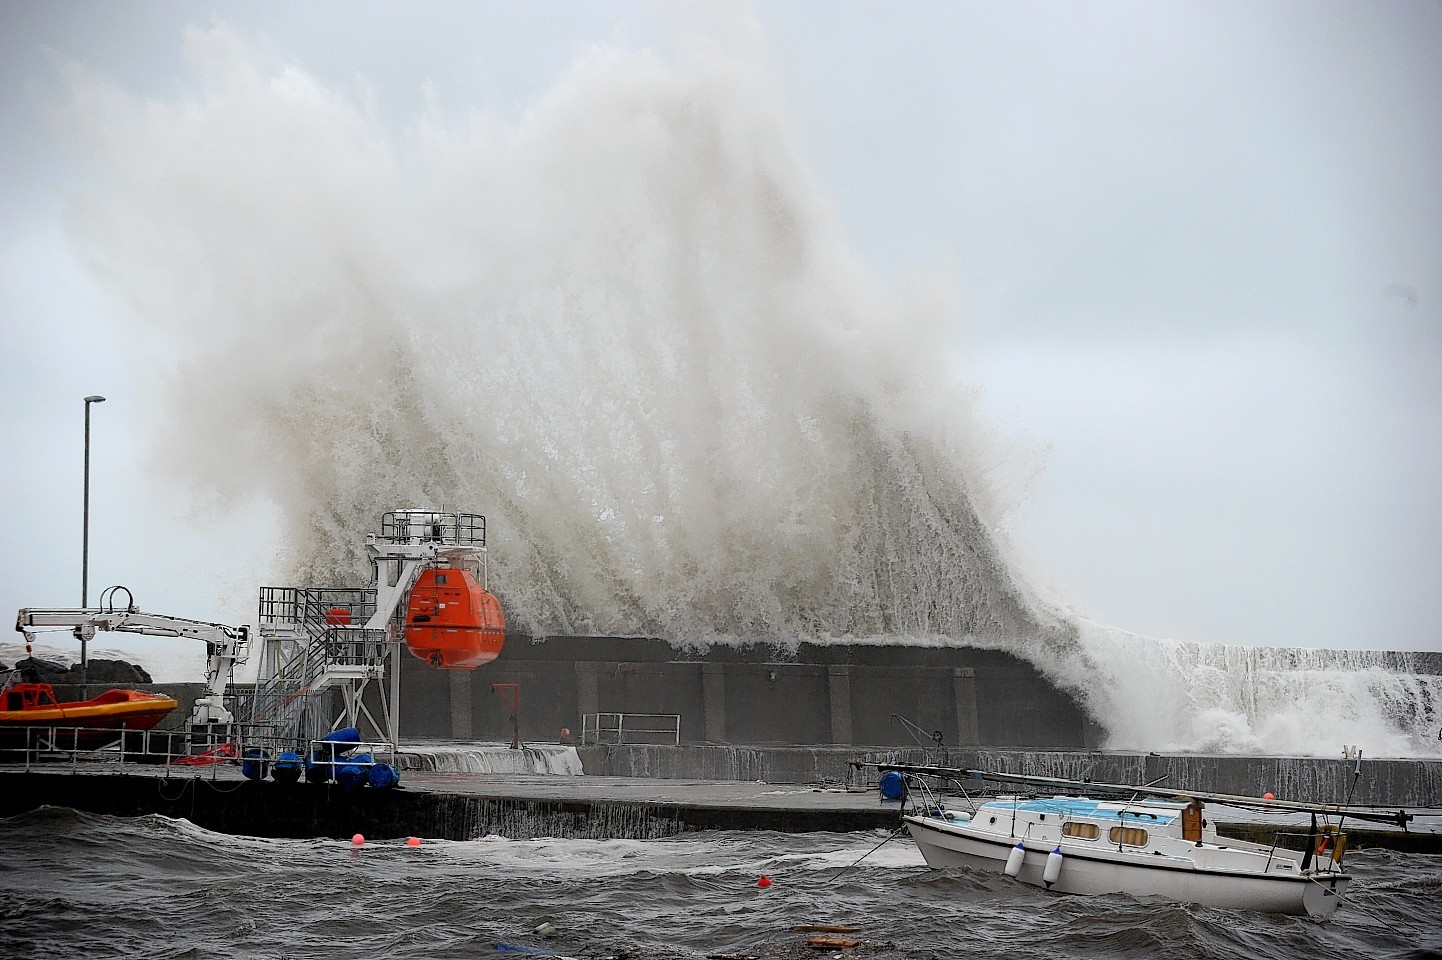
[626,327]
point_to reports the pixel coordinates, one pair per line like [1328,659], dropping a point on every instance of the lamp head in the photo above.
[94,399]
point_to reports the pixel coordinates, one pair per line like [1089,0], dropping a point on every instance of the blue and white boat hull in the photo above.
[1221,873]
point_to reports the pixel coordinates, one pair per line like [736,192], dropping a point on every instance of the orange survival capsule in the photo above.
[451,622]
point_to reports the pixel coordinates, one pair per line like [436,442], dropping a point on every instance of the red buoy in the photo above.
[451,622]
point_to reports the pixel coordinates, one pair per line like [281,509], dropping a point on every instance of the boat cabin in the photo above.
[29,696]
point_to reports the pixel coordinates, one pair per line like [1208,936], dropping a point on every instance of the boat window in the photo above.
[1129,836]
[1082,831]
[440,579]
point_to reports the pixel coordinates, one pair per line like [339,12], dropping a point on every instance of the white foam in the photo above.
[695,855]
[549,759]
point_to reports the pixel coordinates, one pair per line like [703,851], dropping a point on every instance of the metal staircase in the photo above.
[314,642]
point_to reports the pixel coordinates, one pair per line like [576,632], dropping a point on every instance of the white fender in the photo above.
[1053,868]
[1013,861]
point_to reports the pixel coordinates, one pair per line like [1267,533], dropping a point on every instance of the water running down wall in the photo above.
[627,328]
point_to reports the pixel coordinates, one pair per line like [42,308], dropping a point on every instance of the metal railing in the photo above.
[622,728]
[331,620]
[434,526]
[212,754]
[29,746]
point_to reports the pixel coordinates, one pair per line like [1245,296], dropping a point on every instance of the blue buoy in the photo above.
[287,767]
[893,786]
[355,772]
[318,770]
[255,763]
[324,760]
[383,776]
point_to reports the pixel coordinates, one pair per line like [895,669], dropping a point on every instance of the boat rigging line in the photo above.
[868,853]
[1372,814]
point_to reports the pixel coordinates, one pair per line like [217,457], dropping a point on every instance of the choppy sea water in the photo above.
[79,885]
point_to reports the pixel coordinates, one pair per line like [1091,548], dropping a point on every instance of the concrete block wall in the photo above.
[817,695]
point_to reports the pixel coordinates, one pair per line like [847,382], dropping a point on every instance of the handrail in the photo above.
[329,637]
[624,725]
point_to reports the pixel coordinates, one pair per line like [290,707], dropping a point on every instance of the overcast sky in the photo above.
[1195,252]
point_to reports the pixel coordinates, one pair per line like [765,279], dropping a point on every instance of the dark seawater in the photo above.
[78,885]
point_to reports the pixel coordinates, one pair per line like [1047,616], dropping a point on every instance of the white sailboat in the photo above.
[1119,839]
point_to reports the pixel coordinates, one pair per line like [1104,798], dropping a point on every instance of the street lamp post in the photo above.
[85,545]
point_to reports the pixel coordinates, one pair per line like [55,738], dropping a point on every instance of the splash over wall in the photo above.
[627,328]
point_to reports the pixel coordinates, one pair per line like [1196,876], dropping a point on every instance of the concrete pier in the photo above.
[657,791]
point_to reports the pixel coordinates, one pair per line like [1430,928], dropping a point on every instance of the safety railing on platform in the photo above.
[434,526]
[335,643]
[36,746]
[635,728]
[212,754]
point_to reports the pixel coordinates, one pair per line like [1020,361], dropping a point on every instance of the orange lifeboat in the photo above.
[451,622]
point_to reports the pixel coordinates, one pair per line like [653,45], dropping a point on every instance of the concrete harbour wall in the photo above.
[1384,782]
[838,695]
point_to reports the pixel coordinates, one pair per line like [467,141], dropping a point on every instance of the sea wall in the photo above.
[838,695]
[303,810]
[1386,782]
[467,808]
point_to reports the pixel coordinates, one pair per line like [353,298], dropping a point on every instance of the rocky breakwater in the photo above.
[34,669]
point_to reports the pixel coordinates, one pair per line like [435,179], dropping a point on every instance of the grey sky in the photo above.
[1194,251]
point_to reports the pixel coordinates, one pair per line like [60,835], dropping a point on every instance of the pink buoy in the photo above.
[358,840]
[413,842]
[1268,796]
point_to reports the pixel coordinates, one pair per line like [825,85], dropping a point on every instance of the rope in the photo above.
[160,789]
[868,853]
[1353,905]
[219,789]
[217,754]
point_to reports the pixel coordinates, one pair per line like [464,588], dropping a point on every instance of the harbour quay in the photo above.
[796,789]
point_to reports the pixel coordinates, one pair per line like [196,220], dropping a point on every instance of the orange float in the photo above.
[451,622]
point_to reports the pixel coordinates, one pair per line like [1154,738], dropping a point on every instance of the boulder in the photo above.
[36,670]
[109,671]
[100,670]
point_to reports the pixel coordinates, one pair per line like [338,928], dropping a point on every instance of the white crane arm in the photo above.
[225,645]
